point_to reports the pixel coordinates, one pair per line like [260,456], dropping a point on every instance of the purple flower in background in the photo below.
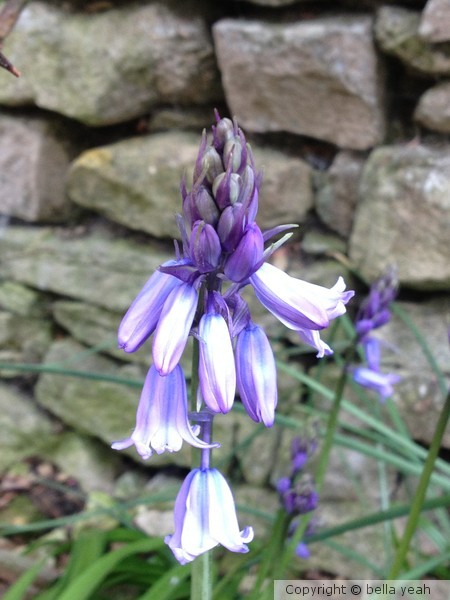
[375,312]
[162,417]
[297,492]
[298,496]
[381,383]
[370,376]
[205,516]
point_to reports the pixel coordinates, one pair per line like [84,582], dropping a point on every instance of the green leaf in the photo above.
[18,590]
[168,584]
[86,583]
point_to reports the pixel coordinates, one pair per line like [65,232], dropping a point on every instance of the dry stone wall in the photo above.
[346,104]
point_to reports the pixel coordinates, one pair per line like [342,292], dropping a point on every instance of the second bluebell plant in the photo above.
[198,293]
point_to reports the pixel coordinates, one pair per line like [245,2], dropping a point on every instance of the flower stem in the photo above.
[194,374]
[419,496]
[201,577]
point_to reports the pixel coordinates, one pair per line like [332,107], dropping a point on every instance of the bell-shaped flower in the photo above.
[205,516]
[381,383]
[162,416]
[217,373]
[173,327]
[141,318]
[248,255]
[256,374]
[297,303]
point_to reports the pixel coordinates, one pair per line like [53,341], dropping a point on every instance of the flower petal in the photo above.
[205,516]
[217,373]
[256,374]
[142,317]
[173,327]
[290,300]
[162,416]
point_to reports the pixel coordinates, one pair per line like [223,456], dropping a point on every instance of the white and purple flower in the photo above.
[162,416]
[199,294]
[205,516]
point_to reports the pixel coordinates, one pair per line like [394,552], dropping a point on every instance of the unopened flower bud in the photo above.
[247,188]
[201,151]
[206,207]
[212,164]
[247,257]
[226,188]
[205,247]
[223,131]
[235,150]
[229,226]
[256,374]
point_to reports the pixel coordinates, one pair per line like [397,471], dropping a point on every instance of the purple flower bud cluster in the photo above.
[297,492]
[199,294]
[375,312]
[375,309]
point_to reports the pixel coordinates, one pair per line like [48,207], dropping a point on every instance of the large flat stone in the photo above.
[403,216]
[82,265]
[110,66]
[319,78]
[435,21]
[136,182]
[32,182]
[397,32]
[433,109]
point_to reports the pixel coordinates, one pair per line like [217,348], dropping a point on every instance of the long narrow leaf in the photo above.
[20,587]
[165,587]
[87,582]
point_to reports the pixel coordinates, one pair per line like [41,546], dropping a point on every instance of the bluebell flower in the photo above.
[174,326]
[302,551]
[217,373]
[256,374]
[248,255]
[142,317]
[297,492]
[199,294]
[204,247]
[298,304]
[381,383]
[205,516]
[375,312]
[162,416]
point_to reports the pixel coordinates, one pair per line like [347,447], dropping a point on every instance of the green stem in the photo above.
[324,457]
[419,497]
[271,552]
[194,374]
[201,577]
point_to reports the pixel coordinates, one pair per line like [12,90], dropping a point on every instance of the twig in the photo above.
[8,17]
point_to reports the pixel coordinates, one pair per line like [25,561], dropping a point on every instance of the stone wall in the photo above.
[346,104]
